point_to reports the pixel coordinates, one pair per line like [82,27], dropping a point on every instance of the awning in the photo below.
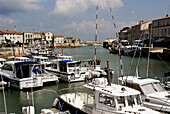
[160,40]
[65,61]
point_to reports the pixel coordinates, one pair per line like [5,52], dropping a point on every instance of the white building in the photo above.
[49,37]
[58,39]
[145,30]
[10,36]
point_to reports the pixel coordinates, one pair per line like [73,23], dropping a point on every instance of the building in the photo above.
[28,37]
[49,37]
[10,37]
[145,32]
[37,36]
[71,39]
[160,32]
[58,39]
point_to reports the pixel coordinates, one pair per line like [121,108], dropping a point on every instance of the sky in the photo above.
[77,18]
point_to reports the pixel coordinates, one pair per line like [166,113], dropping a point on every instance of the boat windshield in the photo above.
[158,86]
[152,88]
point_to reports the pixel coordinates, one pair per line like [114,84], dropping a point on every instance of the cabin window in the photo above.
[22,71]
[106,100]
[130,100]
[138,100]
[7,67]
[121,102]
[63,66]
[148,88]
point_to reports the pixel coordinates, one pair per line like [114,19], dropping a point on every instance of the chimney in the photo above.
[166,15]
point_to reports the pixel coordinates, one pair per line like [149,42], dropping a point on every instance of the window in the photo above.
[148,88]
[121,102]
[165,31]
[168,30]
[130,100]
[106,100]
[7,67]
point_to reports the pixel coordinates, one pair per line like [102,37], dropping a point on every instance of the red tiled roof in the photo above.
[9,32]
[58,36]
[162,18]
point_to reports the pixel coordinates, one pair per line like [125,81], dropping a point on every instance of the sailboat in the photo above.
[154,96]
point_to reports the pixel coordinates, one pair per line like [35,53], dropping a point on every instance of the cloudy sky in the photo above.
[77,17]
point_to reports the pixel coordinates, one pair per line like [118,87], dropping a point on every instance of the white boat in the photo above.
[93,66]
[113,99]
[2,62]
[23,59]
[19,74]
[67,70]
[42,60]
[46,52]
[153,94]
[64,57]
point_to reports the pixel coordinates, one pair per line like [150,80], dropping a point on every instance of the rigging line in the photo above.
[117,37]
[4,96]
[163,62]
[148,58]
[130,68]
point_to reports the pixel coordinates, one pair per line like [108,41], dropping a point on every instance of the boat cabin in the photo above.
[104,99]
[23,59]
[92,64]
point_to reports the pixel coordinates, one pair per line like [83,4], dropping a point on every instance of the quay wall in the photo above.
[8,52]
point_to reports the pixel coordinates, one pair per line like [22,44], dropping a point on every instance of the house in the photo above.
[10,37]
[58,39]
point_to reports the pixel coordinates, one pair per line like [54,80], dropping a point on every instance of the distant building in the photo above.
[49,37]
[161,31]
[108,42]
[145,34]
[28,37]
[71,40]
[58,39]
[37,37]
[10,36]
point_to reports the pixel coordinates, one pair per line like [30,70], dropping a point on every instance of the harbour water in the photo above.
[44,97]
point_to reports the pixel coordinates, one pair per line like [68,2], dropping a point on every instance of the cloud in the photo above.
[73,7]
[89,26]
[125,24]
[11,6]
[6,21]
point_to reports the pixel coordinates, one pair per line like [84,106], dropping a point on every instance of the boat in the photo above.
[40,59]
[24,75]
[64,57]
[104,99]
[154,96]
[93,66]
[19,74]
[23,59]
[131,50]
[46,52]
[2,62]
[67,70]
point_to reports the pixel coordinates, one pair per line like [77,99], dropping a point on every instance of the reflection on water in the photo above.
[44,97]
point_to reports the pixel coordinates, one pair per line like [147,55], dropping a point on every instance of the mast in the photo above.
[95,42]
[117,37]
